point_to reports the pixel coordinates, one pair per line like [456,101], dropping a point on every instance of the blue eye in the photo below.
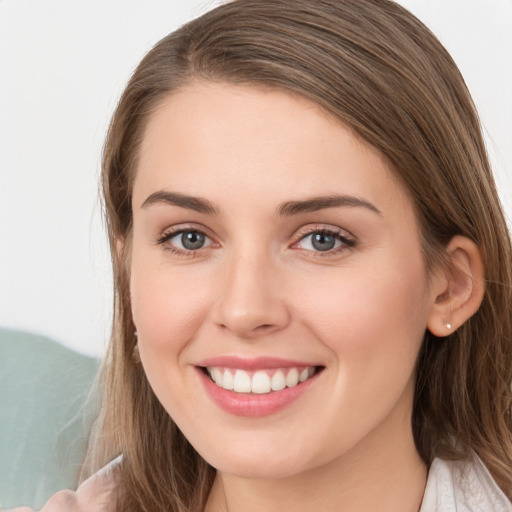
[185,240]
[324,241]
[191,240]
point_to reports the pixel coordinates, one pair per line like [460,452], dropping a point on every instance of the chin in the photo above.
[254,461]
[270,468]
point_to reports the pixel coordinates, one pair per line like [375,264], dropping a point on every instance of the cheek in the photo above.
[167,305]
[370,315]
[373,325]
[167,310]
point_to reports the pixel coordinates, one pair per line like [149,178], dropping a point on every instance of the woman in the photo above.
[312,270]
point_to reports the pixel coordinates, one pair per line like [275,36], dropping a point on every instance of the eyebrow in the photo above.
[197,204]
[320,203]
[288,208]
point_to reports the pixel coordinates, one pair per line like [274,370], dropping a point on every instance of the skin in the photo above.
[258,288]
[94,494]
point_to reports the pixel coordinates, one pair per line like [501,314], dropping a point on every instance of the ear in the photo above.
[458,288]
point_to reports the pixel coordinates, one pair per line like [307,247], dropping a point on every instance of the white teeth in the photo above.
[217,376]
[278,381]
[304,374]
[227,381]
[292,379]
[262,381]
[242,382]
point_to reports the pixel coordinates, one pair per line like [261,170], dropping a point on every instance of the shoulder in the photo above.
[96,493]
[462,486]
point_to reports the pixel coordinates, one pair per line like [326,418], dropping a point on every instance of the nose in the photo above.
[252,299]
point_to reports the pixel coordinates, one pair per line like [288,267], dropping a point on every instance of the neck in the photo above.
[374,475]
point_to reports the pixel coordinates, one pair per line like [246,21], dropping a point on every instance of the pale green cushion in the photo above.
[44,423]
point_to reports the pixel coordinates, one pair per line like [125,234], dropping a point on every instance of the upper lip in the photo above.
[252,363]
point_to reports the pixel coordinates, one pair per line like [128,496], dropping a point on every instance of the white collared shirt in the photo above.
[462,486]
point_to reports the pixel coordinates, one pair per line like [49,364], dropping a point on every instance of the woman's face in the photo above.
[276,253]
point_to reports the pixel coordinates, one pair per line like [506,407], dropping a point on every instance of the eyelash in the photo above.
[168,235]
[347,241]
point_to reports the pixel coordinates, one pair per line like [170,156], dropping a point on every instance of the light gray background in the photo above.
[63,65]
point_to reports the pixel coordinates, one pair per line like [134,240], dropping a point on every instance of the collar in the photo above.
[462,486]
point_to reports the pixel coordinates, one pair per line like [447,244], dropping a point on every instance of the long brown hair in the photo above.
[380,71]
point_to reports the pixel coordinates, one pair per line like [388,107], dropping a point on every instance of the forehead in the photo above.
[210,139]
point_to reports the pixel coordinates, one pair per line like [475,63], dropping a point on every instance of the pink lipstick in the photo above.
[255,387]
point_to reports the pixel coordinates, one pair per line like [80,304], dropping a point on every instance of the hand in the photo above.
[17,509]
[62,501]
[96,494]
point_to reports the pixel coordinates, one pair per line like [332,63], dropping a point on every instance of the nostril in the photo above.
[265,327]
[248,331]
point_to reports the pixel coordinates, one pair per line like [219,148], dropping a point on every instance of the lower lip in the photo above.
[253,404]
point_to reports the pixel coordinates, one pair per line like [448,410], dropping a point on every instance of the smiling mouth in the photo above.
[261,381]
